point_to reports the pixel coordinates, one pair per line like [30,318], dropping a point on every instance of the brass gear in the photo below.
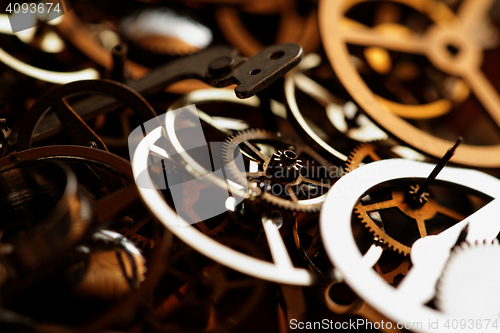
[380,62]
[338,31]
[376,151]
[358,155]
[293,27]
[420,215]
[295,194]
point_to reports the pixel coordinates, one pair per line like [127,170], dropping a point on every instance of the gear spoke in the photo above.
[485,92]
[422,230]
[257,152]
[389,276]
[277,247]
[356,33]
[278,176]
[313,154]
[473,13]
[314,182]
[256,174]
[159,151]
[374,155]
[292,195]
[212,122]
[448,212]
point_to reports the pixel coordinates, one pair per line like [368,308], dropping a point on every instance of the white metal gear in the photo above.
[404,303]
[469,286]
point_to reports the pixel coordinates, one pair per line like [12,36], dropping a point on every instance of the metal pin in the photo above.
[437,169]
[119,54]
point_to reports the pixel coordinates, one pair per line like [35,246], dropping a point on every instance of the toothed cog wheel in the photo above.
[469,286]
[401,238]
[378,150]
[280,171]
[407,225]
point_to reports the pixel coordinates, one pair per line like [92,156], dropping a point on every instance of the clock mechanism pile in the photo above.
[249,165]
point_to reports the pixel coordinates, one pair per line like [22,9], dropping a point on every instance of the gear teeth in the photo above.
[379,234]
[357,155]
[442,291]
[256,133]
[353,160]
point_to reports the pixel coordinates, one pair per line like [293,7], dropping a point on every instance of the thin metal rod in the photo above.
[437,169]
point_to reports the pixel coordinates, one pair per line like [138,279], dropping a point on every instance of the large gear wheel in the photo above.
[433,46]
[469,265]
[275,173]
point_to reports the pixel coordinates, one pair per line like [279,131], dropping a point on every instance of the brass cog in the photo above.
[380,62]
[370,152]
[359,153]
[300,185]
[376,151]
[356,158]
[420,215]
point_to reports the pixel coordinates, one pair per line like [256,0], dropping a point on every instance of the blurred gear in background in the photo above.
[121,213]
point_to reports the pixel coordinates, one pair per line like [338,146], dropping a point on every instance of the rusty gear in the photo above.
[420,215]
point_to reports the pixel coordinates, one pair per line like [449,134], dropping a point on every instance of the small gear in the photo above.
[407,224]
[284,166]
[396,237]
[275,173]
[371,152]
[370,217]
[376,151]
[358,155]
[468,286]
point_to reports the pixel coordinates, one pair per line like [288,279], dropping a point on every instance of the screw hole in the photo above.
[290,154]
[453,49]
[255,72]
[276,55]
